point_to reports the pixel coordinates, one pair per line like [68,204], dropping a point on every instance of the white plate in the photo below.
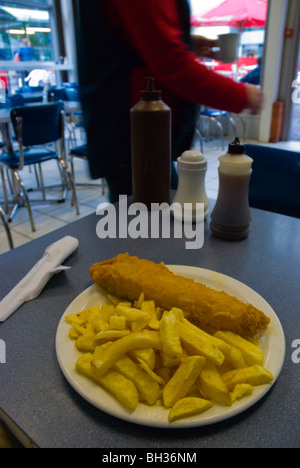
[272,343]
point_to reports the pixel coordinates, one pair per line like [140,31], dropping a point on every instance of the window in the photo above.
[26,31]
[29,50]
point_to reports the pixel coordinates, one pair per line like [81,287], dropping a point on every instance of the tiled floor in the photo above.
[49,217]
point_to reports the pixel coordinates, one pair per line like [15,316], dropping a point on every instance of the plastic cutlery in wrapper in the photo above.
[36,279]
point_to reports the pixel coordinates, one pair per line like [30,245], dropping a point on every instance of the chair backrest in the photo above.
[56,94]
[72,84]
[30,89]
[275,181]
[16,100]
[41,124]
[72,94]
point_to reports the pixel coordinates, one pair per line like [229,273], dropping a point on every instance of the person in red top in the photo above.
[119,44]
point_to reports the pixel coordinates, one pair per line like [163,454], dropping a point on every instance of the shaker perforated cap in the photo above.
[235,147]
[192,161]
[150,94]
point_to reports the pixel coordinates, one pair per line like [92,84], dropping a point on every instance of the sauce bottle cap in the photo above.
[150,94]
[236,147]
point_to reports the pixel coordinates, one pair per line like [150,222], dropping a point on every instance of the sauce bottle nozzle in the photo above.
[150,94]
[236,147]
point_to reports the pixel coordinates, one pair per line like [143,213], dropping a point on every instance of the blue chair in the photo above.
[72,94]
[13,101]
[71,84]
[16,100]
[75,120]
[30,89]
[56,94]
[35,127]
[275,180]
[31,94]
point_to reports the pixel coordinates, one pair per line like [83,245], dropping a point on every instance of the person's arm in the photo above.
[154,29]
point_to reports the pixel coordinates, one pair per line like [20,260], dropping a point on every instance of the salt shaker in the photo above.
[231,218]
[192,168]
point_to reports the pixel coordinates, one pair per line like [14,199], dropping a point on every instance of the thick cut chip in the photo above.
[212,387]
[252,354]
[131,313]
[183,379]
[253,375]
[197,344]
[86,343]
[240,391]
[150,372]
[236,359]
[220,344]
[106,358]
[122,388]
[169,335]
[189,406]
[149,308]
[110,335]
[106,311]
[147,388]
[147,355]
[117,322]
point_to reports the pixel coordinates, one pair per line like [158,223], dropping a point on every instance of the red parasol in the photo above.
[235,13]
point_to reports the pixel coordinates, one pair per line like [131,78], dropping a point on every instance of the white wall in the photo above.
[69,35]
[272,63]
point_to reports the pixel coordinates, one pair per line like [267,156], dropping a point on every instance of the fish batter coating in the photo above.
[128,276]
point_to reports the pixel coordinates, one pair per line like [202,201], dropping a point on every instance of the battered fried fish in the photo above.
[127,277]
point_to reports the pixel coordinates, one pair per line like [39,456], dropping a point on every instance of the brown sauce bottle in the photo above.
[231,218]
[151,148]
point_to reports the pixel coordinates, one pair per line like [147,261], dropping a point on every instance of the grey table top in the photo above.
[37,399]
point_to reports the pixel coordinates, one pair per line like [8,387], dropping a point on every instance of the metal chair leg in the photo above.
[7,229]
[41,179]
[243,125]
[233,126]
[220,126]
[25,195]
[198,134]
[71,183]
[4,191]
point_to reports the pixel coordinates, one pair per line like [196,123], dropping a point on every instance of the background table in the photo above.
[38,400]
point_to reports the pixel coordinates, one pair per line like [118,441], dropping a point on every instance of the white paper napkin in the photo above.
[35,280]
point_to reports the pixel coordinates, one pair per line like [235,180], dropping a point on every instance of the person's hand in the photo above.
[203,47]
[255,98]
